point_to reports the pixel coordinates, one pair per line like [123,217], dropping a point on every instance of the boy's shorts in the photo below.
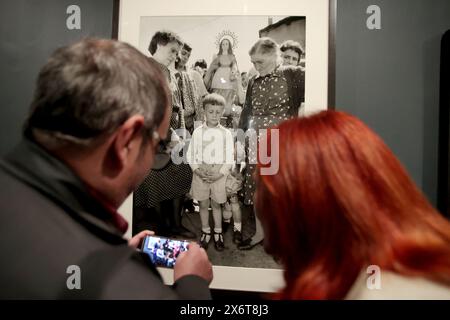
[201,190]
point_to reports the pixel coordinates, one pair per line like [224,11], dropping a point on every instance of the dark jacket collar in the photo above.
[36,167]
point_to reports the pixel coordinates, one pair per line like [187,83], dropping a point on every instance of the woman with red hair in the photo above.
[342,204]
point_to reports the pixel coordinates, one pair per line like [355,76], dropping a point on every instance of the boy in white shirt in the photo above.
[211,155]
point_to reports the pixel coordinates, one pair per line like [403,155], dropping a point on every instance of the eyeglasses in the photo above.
[161,144]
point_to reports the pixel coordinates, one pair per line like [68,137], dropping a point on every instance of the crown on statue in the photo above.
[229,35]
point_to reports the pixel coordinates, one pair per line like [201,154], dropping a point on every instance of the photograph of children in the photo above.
[227,74]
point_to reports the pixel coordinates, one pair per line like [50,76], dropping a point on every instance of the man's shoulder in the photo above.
[41,241]
[24,207]
[43,245]
[17,194]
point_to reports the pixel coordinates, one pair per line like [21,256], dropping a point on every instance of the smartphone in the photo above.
[163,251]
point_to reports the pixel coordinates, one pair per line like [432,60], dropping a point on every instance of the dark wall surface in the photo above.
[390,77]
[29,32]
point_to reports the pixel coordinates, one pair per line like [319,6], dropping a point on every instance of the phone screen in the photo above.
[163,251]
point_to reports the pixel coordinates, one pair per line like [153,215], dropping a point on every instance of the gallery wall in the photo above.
[29,32]
[389,77]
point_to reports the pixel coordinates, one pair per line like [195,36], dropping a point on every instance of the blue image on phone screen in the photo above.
[163,251]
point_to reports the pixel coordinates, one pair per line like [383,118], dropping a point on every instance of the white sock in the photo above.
[206,230]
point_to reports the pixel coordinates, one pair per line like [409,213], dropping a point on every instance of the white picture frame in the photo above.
[316,89]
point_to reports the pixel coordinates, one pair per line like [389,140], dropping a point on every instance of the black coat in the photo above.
[48,222]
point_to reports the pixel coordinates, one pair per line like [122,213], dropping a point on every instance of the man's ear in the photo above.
[128,139]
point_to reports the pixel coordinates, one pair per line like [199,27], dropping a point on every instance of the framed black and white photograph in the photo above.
[219,36]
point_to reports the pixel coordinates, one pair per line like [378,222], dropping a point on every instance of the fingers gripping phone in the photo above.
[163,251]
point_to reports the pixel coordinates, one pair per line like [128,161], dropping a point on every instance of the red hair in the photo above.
[341,201]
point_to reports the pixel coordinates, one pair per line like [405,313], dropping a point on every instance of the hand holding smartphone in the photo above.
[163,251]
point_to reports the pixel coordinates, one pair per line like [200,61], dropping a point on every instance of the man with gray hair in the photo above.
[99,111]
